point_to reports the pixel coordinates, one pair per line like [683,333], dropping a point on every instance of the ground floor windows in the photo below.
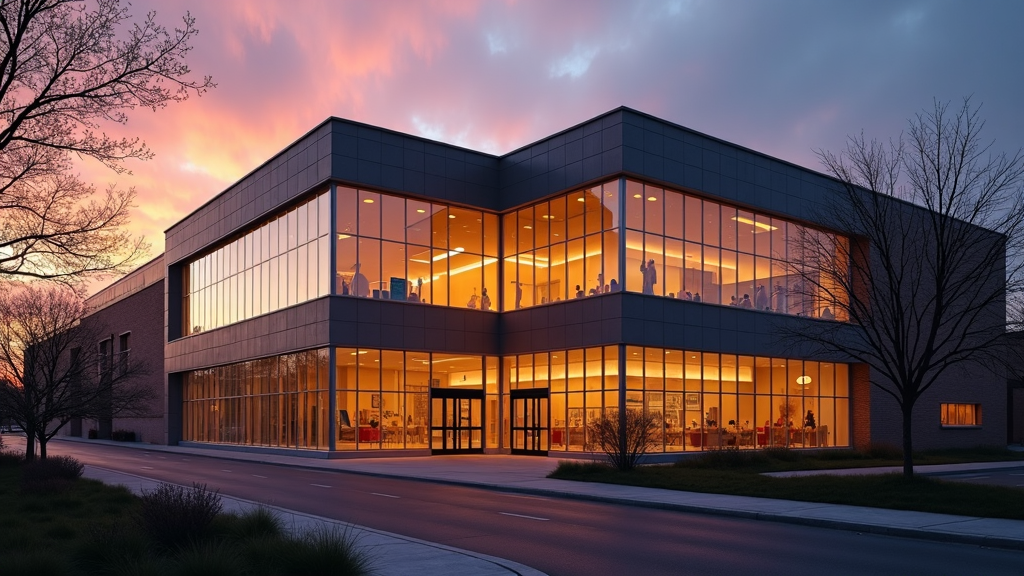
[953,415]
[528,403]
[702,400]
[280,401]
[384,400]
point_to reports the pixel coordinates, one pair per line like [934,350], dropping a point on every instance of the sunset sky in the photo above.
[783,78]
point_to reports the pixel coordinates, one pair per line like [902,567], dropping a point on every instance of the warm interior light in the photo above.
[803,380]
[760,225]
[368,200]
[580,200]
[528,227]
[652,199]
[451,215]
[548,217]
[637,196]
[420,210]
[343,236]
[360,352]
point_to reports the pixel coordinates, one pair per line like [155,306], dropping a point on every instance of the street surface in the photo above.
[559,536]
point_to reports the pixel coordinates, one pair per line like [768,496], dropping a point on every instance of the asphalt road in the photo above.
[561,536]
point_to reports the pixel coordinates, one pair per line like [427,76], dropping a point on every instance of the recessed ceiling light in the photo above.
[528,227]
[368,200]
[451,215]
[420,210]
[637,196]
[652,199]
[580,199]
[343,236]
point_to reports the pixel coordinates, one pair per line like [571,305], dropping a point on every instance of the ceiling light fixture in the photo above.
[760,225]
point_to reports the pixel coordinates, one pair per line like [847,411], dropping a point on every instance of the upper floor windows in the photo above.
[395,248]
[282,262]
[685,247]
[617,235]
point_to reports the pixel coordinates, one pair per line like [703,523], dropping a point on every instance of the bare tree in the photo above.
[66,68]
[625,440]
[924,279]
[50,371]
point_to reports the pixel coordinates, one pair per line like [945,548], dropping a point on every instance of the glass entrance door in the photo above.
[530,421]
[456,421]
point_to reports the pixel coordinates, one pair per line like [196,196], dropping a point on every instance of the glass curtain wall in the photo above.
[283,262]
[702,400]
[564,248]
[383,397]
[280,401]
[682,246]
[583,384]
[395,248]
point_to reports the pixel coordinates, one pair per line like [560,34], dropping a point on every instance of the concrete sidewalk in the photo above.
[527,474]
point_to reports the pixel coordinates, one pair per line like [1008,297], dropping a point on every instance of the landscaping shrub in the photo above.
[209,559]
[34,563]
[882,451]
[260,522]
[726,458]
[113,548]
[174,516]
[327,550]
[52,474]
[123,436]
[10,458]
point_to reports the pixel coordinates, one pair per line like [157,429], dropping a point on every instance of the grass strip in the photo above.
[740,473]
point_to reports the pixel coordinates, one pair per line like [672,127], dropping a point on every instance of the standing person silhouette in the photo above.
[485,300]
[519,295]
[650,275]
[360,285]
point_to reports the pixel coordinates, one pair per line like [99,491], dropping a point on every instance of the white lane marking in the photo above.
[258,476]
[320,485]
[524,516]
[385,495]
[147,467]
[527,497]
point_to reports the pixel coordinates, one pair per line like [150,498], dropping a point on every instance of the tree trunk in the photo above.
[42,447]
[908,441]
[30,445]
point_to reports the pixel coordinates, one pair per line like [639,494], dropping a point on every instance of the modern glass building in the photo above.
[369,292]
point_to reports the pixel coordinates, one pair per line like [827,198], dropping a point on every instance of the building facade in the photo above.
[367,292]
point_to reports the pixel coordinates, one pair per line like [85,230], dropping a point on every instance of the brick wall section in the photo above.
[142,315]
[860,405]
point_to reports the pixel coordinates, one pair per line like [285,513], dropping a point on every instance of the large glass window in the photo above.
[563,248]
[701,400]
[283,262]
[280,401]
[393,248]
[682,246]
[383,396]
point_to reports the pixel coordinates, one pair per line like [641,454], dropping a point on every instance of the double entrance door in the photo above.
[530,421]
[456,421]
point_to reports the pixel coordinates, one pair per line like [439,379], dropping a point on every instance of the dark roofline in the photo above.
[621,108]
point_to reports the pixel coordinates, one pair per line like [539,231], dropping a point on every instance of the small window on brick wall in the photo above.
[954,415]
